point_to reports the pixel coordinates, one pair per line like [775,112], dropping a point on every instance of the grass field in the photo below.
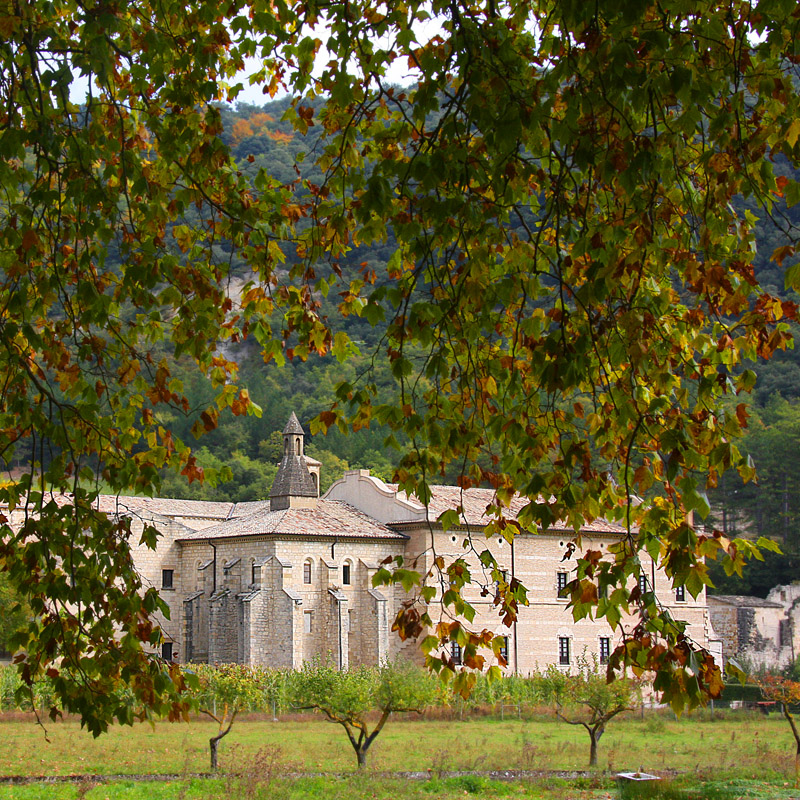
[740,755]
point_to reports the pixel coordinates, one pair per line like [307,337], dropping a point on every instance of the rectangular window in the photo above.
[166,651]
[167,576]
[307,622]
[256,575]
[455,651]
[561,583]
[307,572]
[346,574]
[784,633]
[642,583]
[680,594]
[504,649]
[563,650]
[605,649]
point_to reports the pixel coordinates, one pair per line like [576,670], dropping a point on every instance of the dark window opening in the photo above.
[561,583]
[784,633]
[605,649]
[504,649]
[455,651]
[563,650]
[307,572]
[167,576]
[346,574]
[166,651]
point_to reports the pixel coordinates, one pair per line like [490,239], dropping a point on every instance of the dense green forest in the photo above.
[245,450]
[240,455]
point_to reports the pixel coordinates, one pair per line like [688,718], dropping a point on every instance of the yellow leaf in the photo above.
[792,132]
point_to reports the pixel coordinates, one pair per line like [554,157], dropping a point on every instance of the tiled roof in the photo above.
[164,506]
[247,508]
[329,518]
[293,426]
[475,501]
[204,509]
[743,601]
[293,479]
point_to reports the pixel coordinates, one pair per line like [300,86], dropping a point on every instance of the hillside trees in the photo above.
[570,296]
[573,291]
[767,507]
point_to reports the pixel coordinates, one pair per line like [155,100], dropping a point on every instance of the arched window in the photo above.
[307,571]
[347,575]
[314,481]
[297,445]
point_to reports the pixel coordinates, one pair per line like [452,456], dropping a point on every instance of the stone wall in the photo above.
[151,566]
[535,560]
[758,633]
[283,620]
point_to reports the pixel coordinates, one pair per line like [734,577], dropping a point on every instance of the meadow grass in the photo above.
[739,742]
[751,752]
[375,787]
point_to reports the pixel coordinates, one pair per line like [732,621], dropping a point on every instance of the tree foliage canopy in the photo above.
[570,298]
[586,698]
[349,697]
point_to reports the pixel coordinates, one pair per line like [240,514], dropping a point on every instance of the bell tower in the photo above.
[297,483]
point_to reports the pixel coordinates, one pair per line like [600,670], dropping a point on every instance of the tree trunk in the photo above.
[212,746]
[594,737]
[361,755]
[213,742]
[790,719]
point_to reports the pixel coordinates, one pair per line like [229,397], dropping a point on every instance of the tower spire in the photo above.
[294,485]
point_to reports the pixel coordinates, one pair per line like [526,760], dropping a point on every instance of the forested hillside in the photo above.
[240,455]
[245,449]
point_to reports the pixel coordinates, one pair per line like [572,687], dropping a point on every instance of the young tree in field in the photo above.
[786,693]
[568,312]
[587,698]
[350,697]
[223,691]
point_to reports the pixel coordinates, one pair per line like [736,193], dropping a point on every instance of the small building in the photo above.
[757,633]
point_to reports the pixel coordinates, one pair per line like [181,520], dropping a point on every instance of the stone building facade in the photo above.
[759,633]
[280,581]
